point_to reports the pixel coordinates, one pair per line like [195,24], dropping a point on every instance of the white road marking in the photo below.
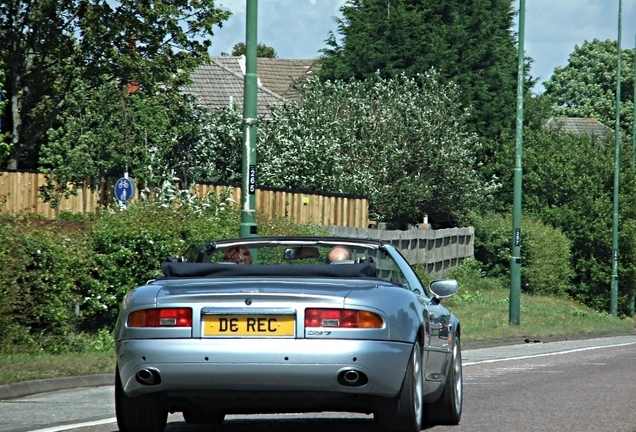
[545,354]
[76,425]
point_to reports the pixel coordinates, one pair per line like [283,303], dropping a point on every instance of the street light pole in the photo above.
[632,305]
[515,259]
[248,185]
[617,135]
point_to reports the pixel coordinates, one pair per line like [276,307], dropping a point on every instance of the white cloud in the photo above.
[555,27]
[298,28]
[294,28]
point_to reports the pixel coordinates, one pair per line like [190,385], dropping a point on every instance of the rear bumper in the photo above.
[279,365]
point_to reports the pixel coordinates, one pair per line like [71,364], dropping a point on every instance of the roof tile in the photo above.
[219,84]
[580,125]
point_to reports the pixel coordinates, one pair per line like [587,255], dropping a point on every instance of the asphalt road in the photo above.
[575,385]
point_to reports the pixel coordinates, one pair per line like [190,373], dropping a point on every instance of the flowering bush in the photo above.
[400,142]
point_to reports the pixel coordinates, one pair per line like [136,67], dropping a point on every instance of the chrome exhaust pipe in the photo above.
[352,378]
[148,377]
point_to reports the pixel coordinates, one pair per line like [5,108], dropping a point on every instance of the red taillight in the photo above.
[165,317]
[347,318]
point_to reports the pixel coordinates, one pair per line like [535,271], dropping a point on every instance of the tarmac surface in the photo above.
[27,388]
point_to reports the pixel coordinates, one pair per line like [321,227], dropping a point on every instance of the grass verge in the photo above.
[484,316]
[26,367]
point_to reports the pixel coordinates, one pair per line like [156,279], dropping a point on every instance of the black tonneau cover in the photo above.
[189,269]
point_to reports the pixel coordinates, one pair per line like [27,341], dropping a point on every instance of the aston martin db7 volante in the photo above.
[288,324]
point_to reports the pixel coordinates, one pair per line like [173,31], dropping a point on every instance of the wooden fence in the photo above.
[19,195]
[347,216]
[438,249]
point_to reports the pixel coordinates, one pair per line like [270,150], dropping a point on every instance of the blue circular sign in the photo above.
[124,189]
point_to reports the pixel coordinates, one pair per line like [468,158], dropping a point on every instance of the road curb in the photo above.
[533,339]
[27,388]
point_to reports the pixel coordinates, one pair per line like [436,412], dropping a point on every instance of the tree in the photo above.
[498,156]
[4,148]
[568,184]
[110,131]
[467,42]
[401,141]
[262,50]
[586,87]
[48,44]
[215,154]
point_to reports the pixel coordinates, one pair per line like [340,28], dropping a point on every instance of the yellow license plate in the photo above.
[249,325]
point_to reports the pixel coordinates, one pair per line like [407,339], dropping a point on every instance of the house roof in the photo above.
[219,84]
[578,125]
[279,75]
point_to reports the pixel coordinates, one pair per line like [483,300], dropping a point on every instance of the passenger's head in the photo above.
[338,253]
[238,254]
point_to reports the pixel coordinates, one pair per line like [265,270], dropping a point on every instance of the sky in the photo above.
[297,29]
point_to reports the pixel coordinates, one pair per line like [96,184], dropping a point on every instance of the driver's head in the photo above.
[338,253]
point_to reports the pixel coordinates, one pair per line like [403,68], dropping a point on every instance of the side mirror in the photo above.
[443,288]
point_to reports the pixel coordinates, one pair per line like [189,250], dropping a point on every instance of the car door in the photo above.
[436,318]
[438,344]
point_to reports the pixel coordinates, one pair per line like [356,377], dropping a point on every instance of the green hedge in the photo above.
[41,265]
[546,266]
[127,247]
[62,277]
[66,278]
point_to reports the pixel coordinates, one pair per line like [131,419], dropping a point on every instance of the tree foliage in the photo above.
[112,131]
[262,50]
[402,142]
[49,44]
[586,86]
[568,183]
[467,42]
[216,154]
[4,148]
[546,265]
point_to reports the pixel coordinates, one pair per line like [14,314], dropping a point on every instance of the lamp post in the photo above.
[614,287]
[632,305]
[515,259]
[248,226]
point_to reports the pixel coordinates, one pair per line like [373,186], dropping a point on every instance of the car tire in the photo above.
[143,413]
[404,413]
[447,410]
[203,417]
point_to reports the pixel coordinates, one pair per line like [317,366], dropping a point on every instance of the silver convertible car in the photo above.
[293,329]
